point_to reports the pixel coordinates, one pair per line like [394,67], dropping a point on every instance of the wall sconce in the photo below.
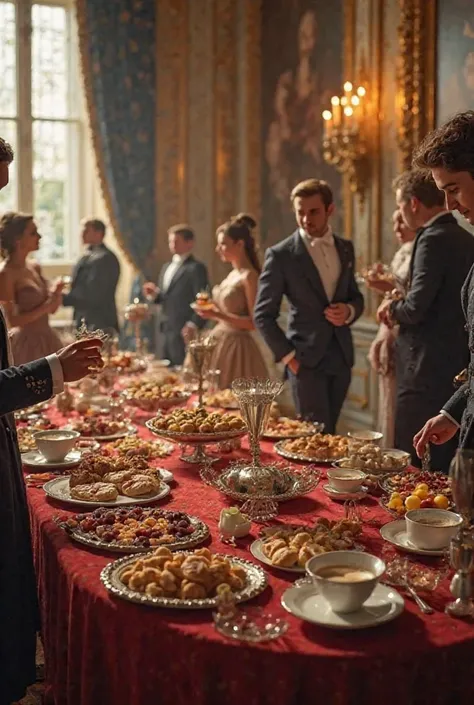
[344,146]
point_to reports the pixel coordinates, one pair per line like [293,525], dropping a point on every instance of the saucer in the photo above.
[166,475]
[342,496]
[34,459]
[306,603]
[396,533]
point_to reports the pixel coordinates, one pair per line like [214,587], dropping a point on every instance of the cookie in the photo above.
[95,492]
[139,486]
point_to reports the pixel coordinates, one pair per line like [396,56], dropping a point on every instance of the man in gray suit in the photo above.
[179,282]
[94,281]
[314,269]
[431,346]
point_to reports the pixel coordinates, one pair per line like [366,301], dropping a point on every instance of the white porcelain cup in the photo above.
[431,529]
[346,479]
[344,597]
[55,444]
[374,437]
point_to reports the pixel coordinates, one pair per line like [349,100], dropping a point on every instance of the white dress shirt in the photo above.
[176,262]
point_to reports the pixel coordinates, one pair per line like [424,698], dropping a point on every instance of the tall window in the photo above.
[40,115]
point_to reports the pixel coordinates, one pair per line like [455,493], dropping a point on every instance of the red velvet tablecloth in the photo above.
[100,650]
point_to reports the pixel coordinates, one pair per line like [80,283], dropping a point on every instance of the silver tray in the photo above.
[128,431]
[317,428]
[110,577]
[190,438]
[302,458]
[153,405]
[380,472]
[305,481]
[58,489]
[201,533]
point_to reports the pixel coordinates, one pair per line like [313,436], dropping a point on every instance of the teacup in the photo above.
[431,529]
[55,444]
[346,479]
[346,579]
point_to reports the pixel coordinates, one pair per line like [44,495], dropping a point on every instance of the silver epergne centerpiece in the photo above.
[200,352]
[255,397]
[461,549]
[136,313]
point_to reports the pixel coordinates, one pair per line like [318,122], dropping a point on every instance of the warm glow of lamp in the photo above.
[355,100]
[348,112]
[335,100]
[348,86]
[361,91]
[327,115]
[344,100]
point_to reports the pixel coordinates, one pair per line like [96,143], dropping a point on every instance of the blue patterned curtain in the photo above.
[117,46]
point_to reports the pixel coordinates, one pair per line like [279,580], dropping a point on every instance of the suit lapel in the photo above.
[306,266]
[346,264]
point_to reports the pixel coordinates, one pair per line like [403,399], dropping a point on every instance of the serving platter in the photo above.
[128,430]
[196,438]
[58,489]
[300,457]
[91,539]
[309,429]
[156,403]
[110,576]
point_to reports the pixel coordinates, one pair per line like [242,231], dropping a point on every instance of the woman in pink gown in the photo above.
[238,354]
[29,298]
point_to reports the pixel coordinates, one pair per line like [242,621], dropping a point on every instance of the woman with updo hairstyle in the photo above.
[28,298]
[238,353]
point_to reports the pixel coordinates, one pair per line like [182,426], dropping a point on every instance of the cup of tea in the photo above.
[432,529]
[346,479]
[346,579]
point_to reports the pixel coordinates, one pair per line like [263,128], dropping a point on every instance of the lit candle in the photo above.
[336,110]
[355,104]
[361,91]
[327,117]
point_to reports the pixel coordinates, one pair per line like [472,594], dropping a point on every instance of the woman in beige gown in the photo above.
[28,296]
[237,353]
[382,350]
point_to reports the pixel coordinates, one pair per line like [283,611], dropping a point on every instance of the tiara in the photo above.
[83,333]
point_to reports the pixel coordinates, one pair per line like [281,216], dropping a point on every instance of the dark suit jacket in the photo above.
[289,271]
[190,278]
[461,404]
[431,346]
[94,282]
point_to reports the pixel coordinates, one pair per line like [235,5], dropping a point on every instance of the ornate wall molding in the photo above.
[172,117]
[415,75]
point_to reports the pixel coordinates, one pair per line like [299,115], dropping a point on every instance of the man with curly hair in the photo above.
[448,152]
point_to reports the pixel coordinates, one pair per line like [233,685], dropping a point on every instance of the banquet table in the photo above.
[101,650]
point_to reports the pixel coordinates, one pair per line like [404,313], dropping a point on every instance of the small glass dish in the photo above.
[252,625]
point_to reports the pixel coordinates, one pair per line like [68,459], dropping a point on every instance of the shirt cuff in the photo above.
[56,373]
[288,358]
[448,416]
[351,315]
[192,324]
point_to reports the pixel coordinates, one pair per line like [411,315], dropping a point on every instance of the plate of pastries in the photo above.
[101,428]
[183,580]
[289,547]
[318,448]
[101,479]
[135,529]
[222,399]
[203,301]
[132,446]
[26,439]
[151,396]
[126,363]
[284,427]
[375,460]
[197,425]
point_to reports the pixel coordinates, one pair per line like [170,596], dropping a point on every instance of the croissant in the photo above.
[285,557]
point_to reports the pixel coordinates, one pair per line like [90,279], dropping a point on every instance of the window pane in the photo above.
[8,195]
[49,62]
[50,140]
[7,60]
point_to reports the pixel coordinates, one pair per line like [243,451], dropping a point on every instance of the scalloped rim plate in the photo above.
[200,534]
[110,577]
[204,438]
[303,458]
